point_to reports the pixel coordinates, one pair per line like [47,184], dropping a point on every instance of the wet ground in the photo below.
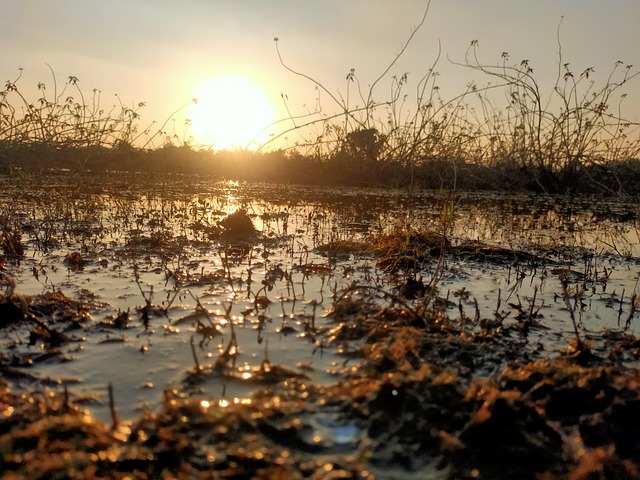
[185,327]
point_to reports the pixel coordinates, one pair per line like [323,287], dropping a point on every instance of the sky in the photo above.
[161,52]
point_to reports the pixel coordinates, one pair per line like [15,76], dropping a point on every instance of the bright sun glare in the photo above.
[232,112]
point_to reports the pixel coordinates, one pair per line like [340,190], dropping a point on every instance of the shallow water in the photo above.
[153,243]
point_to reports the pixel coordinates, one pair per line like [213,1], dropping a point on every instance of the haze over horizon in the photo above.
[161,52]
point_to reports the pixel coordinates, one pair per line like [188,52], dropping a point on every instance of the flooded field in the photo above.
[123,294]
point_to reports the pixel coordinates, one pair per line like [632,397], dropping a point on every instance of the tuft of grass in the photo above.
[64,122]
[557,135]
[555,141]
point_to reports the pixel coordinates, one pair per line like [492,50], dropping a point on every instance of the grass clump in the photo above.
[573,137]
[64,127]
[563,136]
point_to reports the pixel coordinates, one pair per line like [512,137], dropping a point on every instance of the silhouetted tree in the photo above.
[363,145]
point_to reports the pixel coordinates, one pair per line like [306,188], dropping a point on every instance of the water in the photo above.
[155,276]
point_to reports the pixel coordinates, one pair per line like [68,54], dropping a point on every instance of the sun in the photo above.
[231,113]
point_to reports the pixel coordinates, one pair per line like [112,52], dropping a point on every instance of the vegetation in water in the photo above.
[453,356]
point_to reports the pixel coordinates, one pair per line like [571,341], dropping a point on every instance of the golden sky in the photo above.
[162,52]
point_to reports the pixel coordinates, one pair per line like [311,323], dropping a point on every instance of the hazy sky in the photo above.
[157,51]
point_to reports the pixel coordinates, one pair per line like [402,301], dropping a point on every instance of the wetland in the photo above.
[176,326]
